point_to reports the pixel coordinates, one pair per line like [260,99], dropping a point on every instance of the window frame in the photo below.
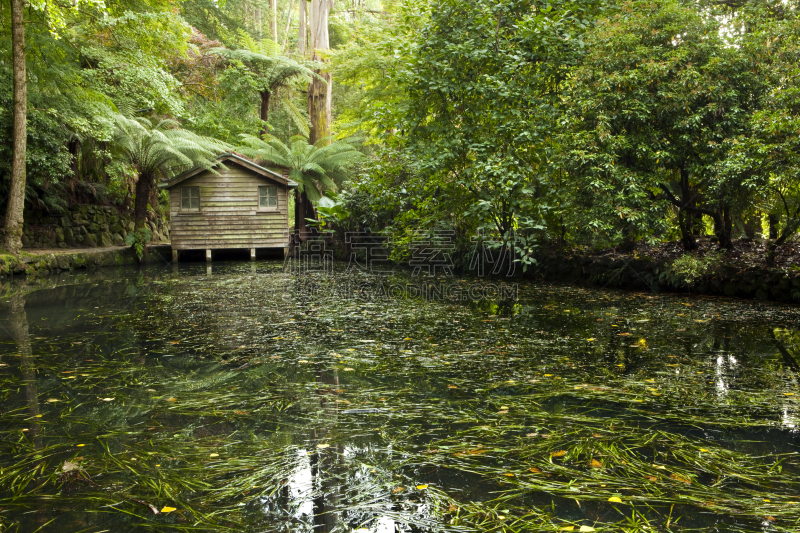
[276,207]
[189,189]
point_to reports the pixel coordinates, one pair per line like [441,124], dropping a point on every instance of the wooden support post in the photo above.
[252,254]
[208,255]
[174,256]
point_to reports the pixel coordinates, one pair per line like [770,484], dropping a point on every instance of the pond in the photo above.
[251,398]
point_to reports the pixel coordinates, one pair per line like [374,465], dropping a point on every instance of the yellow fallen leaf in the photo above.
[767,501]
[682,479]
[452,387]
[81,445]
[548,375]
[508,474]
[534,470]
[596,464]
[38,416]
[703,450]
[398,490]
[213,455]
[586,529]
[172,399]
[422,487]
[107,399]
[407,339]
[592,339]
[349,369]
[559,453]
[166,510]
[615,499]
[567,528]
[788,394]
[303,361]
[322,446]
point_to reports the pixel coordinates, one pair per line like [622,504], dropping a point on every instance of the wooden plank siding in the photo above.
[229,215]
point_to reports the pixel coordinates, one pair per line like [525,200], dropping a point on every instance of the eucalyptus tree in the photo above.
[317,168]
[158,151]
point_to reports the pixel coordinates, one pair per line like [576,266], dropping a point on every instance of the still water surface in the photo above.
[254,399]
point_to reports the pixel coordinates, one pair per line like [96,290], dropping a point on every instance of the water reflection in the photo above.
[251,398]
[18,328]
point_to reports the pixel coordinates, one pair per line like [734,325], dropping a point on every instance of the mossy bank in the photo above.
[711,274]
[71,259]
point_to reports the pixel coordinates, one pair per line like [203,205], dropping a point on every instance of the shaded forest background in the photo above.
[570,124]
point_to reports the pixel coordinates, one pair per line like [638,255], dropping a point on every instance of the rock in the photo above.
[118,239]
[69,237]
[93,227]
[130,225]
[90,241]
[66,222]
[60,234]
[106,240]
[115,228]
[62,245]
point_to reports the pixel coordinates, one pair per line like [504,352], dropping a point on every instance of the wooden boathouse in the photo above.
[237,205]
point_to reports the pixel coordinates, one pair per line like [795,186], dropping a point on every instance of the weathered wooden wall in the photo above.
[229,215]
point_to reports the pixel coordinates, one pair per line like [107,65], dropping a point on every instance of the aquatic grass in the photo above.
[466,399]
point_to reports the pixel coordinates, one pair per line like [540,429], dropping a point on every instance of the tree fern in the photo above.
[159,151]
[316,168]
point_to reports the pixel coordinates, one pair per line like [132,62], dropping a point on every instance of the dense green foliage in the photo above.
[539,124]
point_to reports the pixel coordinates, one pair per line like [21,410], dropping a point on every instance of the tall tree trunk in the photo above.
[319,92]
[12,233]
[302,32]
[144,186]
[319,97]
[265,96]
[273,20]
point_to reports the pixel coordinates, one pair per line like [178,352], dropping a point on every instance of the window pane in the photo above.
[190,197]
[273,201]
[262,201]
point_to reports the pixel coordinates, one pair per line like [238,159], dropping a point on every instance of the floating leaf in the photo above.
[534,470]
[166,510]
[596,464]
[559,453]
[213,455]
[508,474]
[322,446]
[680,478]
[422,487]
[615,499]
[587,529]
[107,399]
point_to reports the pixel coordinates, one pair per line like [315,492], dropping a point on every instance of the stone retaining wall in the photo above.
[30,264]
[84,226]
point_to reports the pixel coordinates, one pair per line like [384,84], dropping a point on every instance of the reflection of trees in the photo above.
[324,464]
[18,326]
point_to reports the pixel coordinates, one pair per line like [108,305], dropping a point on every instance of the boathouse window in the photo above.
[268,197]
[190,198]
